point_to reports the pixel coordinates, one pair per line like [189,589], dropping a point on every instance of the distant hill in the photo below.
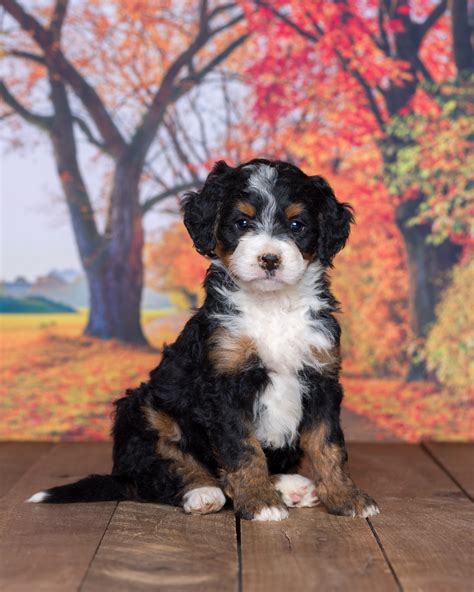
[70,287]
[32,304]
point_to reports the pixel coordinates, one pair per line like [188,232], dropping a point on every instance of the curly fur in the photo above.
[250,388]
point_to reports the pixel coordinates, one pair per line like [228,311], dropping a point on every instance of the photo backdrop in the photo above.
[122,106]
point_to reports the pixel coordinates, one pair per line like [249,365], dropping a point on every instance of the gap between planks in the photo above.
[51,545]
[97,548]
[385,556]
[438,461]
[425,517]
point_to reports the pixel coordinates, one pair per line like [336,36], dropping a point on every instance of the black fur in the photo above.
[214,411]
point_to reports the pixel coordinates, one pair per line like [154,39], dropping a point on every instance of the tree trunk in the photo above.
[116,277]
[428,268]
[115,291]
[463,40]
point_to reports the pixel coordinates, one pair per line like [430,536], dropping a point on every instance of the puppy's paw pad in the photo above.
[203,500]
[271,513]
[296,491]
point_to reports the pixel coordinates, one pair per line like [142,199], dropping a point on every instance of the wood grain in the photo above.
[49,547]
[312,550]
[458,459]
[156,547]
[426,521]
[423,534]
[16,458]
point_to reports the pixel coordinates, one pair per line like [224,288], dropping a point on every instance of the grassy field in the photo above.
[57,384]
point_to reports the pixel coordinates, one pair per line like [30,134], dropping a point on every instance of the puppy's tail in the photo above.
[95,488]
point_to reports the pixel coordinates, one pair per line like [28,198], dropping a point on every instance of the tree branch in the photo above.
[170,126]
[314,38]
[383,32]
[222,8]
[88,239]
[86,130]
[57,20]
[168,92]
[184,83]
[43,122]
[177,189]
[202,129]
[303,32]
[431,19]
[203,16]
[370,98]
[61,66]
[26,55]
[420,66]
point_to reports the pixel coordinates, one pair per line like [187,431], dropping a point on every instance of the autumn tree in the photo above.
[339,73]
[116,74]
[173,265]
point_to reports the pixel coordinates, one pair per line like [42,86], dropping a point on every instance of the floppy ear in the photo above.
[335,219]
[201,209]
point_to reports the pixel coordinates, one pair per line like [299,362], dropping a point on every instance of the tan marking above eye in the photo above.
[246,208]
[293,210]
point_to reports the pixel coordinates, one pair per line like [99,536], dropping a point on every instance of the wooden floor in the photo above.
[421,541]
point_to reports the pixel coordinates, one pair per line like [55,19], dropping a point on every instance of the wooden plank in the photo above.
[457,458]
[426,521]
[157,547]
[312,550]
[16,458]
[49,547]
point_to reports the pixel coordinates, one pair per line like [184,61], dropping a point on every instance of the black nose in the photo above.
[269,261]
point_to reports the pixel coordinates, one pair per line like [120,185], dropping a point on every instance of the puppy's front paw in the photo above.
[262,506]
[271,513]
[352,503]
[296,491]
[203,500]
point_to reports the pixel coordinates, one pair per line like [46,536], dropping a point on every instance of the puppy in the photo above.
[245,404]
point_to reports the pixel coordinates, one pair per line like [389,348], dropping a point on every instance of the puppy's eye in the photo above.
[296,226]
[242,224]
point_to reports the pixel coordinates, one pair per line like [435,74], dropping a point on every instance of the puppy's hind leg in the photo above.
[296,491]
[199,492]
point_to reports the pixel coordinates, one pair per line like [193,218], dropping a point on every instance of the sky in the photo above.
[36,234]
[35,230]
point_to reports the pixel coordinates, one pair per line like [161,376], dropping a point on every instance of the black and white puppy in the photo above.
[246,402]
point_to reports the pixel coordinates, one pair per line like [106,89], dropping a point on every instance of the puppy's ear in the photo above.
[335,219]
[201,209]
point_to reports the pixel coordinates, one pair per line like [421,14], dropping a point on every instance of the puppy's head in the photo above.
[266,221]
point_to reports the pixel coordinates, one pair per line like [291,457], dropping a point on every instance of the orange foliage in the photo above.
[65,387]
[123,49]
[173,265]
[450,343]
[370,277]
[413,411]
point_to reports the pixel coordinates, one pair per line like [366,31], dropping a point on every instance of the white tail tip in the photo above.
[37,498]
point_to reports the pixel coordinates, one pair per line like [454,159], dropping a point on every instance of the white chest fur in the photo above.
[281,326]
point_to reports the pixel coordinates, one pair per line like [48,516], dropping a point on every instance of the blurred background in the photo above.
[112,108]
